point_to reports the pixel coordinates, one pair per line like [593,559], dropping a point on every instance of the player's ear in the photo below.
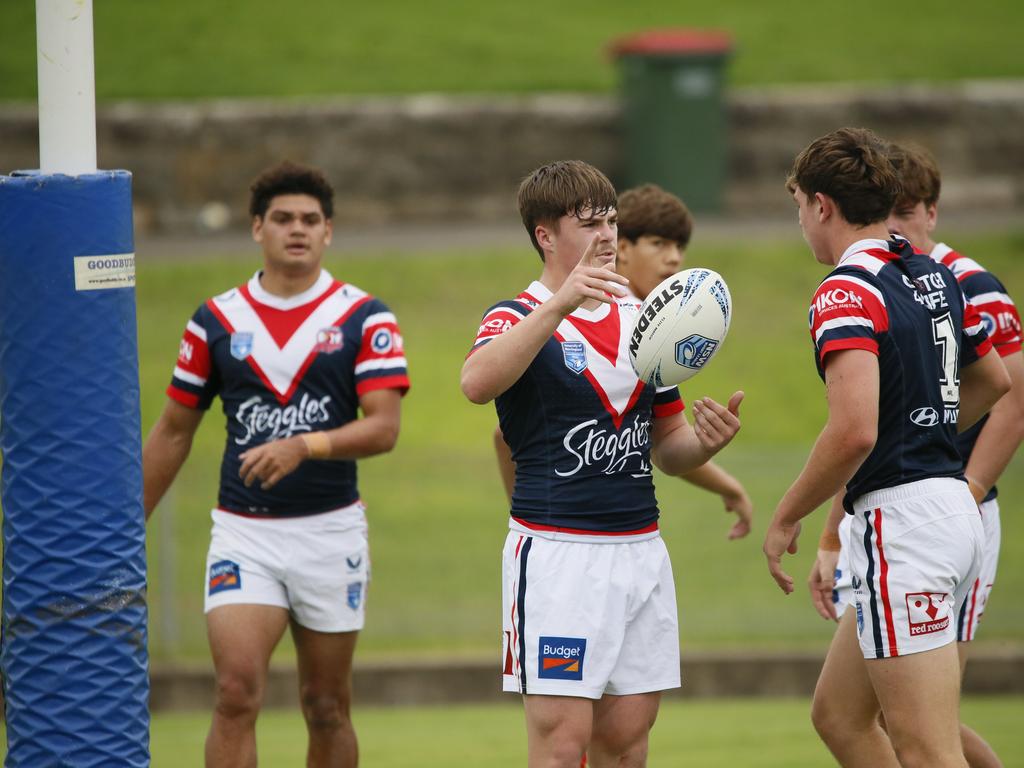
[328,231]
[544,237]
[257,228]
[825,206]
[623,252]
[932,213]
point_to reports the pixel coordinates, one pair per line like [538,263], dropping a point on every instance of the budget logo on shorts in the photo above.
[927,612]
[575,356]
[241,344]
[695,350]
[355,595]
[224,575]
[561,658]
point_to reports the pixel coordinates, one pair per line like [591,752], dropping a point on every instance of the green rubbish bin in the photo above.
[673,115]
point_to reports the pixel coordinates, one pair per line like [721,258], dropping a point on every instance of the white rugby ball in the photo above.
[681,325]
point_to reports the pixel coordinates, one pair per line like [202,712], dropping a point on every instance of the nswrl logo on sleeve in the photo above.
[561,658]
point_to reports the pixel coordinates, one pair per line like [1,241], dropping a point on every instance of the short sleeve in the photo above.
[497,320]
[193,382]
[667,402]
[847,312]
[380,362]
[974,341]
[996,310]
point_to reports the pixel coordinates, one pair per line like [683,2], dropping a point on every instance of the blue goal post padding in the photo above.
[74,658]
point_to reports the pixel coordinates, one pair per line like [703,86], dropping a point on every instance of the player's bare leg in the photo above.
[325,692]
[920,697]
[977,751]
[242,637]
[557,729]
[845,709]
[620,730]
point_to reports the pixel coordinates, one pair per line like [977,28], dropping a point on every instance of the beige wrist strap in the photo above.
[318,444]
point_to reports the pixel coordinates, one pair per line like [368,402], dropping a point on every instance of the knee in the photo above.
[238,696]
[623,743]
[325,711]
[829,720]
[915,751]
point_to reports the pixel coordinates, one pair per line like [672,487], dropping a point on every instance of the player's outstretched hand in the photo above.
[592,278]
[822,581]
[272,461]
[778,539]
[716,424]
[740,504]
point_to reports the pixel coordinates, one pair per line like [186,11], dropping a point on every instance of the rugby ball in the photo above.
[680,327]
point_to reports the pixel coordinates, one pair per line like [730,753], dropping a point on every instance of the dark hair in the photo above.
[290,178]
[564,188]
[650,210]
[852,166]
[919,175]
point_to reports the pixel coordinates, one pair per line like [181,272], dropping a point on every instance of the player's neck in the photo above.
[285,285]
[848,235]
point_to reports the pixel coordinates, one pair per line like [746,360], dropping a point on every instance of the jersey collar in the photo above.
[259,293]
[540,292]
[868,244]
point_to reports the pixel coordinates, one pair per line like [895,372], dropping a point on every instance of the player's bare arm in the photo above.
[981,385]
[678,448]
[497,365]
[374,433]
[166,449]
[713,478]
[1002,433]
[823,571]
[851,386]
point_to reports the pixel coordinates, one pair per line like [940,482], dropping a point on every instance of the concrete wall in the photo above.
[429,158]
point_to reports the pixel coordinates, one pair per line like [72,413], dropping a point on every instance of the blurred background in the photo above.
[425,116]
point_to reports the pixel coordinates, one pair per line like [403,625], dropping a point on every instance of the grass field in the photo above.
[767,733]
[437,514]
[201,49]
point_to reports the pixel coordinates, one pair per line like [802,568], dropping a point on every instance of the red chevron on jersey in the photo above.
[614,380]
[280,343]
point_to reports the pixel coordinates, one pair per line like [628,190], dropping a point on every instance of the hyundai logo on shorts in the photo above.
[925,417]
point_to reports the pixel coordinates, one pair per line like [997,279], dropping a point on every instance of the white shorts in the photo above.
[974,606]
[588,617]
[842,592]
[915,551]
[316,566]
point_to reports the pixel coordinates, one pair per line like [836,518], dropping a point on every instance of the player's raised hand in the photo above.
[821,582]
[779,539]
[592,278]
[716,424]
[272,461]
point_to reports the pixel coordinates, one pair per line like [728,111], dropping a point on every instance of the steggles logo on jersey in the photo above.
[575,356]
[596,446]
[241,344]
[923,610]
[561,658]
[329,340]
[272,422]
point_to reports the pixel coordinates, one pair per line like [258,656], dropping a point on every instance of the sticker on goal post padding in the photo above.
[97,273]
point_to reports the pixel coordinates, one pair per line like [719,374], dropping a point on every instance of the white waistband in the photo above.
[930,487]
[595,538]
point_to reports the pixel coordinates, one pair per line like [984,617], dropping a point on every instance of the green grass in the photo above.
[768,733]
[201,49]
[437,513]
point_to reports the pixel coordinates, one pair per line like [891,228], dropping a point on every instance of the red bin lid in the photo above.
[673,42]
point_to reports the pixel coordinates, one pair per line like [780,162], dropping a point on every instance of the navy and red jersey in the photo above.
[909,311]
[998,313]
[283,367]
[579,422]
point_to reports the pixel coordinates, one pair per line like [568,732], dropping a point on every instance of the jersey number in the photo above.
[945,339]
